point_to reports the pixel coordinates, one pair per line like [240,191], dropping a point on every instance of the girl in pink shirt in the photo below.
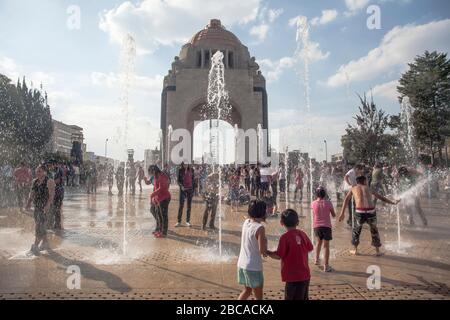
[322,209]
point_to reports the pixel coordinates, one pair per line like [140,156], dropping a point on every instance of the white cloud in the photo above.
[142,132]
[266,17]
[14,71]
[397,48]
[386,90]
[156,22]
[327,17]
[8,67]
[314,53]
[292,124]
[353,6]
[47,79]
[260,31]
[141,83]
[273,69]
[273,14]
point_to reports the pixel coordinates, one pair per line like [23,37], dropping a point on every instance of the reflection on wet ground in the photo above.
[187,264]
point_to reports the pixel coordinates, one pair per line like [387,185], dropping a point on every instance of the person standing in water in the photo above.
[57,174]
[350,181]
[22,179]
[253,247]
[365,212]
[377,180]
[407,179]
[110,177]
[211,197]
[141,176]
[298,184]
[131,177]
[322,211]
[120,178]
[186,183]
[159,200]
[42,195]
[293,248]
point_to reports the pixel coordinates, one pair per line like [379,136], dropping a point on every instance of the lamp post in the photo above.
[326,150]
[106,147]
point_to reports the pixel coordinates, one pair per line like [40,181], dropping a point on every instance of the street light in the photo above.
[106,147]
[326,151]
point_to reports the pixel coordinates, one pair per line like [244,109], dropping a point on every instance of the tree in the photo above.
[10,124]
[367,141]
[26,122]
[427,85]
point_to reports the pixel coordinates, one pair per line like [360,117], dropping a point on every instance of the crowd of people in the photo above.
[260,187]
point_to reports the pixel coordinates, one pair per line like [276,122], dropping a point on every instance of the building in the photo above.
[152,157]
[63,137]
[184,96]
[101,160]
[337,158]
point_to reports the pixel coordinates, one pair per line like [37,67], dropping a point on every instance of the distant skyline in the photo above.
[80,67]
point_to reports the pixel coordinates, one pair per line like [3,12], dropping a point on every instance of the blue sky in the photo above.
[80,68]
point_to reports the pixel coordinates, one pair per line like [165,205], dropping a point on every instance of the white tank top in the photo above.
[249,256]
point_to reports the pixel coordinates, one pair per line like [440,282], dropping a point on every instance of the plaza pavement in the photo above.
[133,265]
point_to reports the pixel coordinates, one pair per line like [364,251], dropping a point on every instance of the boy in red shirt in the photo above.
[293,249]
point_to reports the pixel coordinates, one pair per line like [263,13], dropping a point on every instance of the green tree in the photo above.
[427,85]
[10,123]
[26,122]
[367,140]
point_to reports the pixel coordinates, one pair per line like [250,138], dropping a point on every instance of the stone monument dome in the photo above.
[186,83]
[214,32]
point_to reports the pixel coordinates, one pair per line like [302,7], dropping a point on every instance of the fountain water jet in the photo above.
[302,52]
[286,172]
[169,137]
[127,58]
[218,105]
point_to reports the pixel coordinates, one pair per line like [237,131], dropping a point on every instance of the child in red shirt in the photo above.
[293,249]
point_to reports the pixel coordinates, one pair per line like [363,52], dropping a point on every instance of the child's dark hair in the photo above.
[289,218]
[361,180]
[321,192]
[257,209]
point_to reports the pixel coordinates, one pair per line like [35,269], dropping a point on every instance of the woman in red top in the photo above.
[159,200]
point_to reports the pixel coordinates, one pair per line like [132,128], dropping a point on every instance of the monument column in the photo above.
[202,58]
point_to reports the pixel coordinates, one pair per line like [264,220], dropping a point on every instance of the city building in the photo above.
[63,137]
[337,158]
[184,94]
[152,157]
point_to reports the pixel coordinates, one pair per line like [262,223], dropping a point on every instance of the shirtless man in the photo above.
[350,182]
[364,212]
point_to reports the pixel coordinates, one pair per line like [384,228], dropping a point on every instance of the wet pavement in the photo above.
[110,240]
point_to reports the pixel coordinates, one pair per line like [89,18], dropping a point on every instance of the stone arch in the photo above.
[195,114]
[185,85]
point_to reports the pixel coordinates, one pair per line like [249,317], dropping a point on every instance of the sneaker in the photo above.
[178,224]
[327,269]
[188,224]
[157,234]
[317,262]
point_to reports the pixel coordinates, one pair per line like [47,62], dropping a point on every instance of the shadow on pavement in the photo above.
[90,272]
